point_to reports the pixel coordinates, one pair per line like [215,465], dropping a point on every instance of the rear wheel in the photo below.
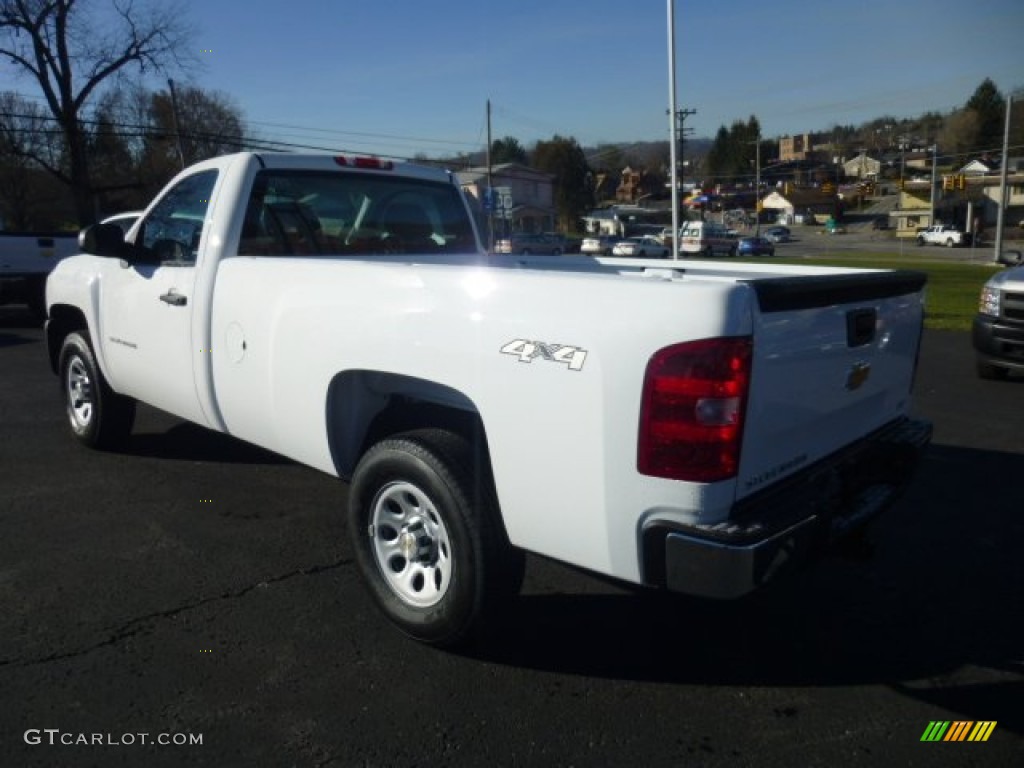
[98,416]
[428,538]
[950,243]
[708,252]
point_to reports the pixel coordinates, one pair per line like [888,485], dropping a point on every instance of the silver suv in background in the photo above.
[524,244]
[998,330]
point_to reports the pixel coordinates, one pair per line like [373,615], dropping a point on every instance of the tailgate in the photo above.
[834,359]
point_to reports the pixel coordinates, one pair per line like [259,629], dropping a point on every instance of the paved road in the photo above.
[813,241]
[193,585]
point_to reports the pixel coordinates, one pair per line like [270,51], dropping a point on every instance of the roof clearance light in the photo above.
[371,163]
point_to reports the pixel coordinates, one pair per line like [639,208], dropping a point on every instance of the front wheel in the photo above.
[98,416]
[427,535]
[990,372]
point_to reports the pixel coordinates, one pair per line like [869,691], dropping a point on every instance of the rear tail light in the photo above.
[692,411]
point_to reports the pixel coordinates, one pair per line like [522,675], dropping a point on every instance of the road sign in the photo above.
[503,202]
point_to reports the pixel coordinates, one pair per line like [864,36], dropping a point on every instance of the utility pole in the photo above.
[682,132]
[174,118]
[490,187]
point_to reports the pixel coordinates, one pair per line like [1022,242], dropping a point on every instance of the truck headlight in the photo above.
[988,303]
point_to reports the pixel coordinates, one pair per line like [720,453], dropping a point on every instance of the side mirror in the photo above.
[103,240]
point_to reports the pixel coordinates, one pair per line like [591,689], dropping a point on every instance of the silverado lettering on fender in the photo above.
[681,425]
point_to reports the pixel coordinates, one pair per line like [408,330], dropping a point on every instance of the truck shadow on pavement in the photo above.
[189,442]
[942,592]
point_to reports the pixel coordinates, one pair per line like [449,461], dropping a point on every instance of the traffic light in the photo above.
[948,183]
[961,182]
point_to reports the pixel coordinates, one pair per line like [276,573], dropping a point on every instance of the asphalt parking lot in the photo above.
[195,586]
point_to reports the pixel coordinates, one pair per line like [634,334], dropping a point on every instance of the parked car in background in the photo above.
[641,247]
[1010,258]
[777,234]
[755,246]
[599,245]
[524,244]
[940,234]
[998,330]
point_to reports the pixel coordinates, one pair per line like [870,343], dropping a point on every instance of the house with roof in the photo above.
[802,205]
[914,209]
[533,209]
[862,167]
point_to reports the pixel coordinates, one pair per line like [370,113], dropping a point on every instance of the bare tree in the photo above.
[72,47]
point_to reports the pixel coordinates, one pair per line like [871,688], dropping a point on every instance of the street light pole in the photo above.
[757,187]
[672,125]
[1003,172]
[931,219]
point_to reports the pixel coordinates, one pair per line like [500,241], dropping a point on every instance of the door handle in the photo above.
[174,299]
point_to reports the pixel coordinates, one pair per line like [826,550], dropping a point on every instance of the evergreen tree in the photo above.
[564,158]
[988,104]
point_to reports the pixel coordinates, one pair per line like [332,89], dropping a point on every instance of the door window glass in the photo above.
[172,230]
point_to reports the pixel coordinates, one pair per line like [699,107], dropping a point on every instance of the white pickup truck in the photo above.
[940,234]
[26,258]
[682,425]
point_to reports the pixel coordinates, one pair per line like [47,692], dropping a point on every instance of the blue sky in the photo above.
[399,77]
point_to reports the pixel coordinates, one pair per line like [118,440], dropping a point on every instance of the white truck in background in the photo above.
[26,258]
[940,234]
[681,425]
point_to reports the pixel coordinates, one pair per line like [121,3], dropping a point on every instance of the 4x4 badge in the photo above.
[528,351]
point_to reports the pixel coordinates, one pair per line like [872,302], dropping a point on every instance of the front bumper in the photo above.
[998,343]
[778,528]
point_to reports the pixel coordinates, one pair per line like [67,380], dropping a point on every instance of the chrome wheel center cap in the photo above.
[415,542]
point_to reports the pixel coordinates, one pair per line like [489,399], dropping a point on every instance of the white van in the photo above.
[706,238]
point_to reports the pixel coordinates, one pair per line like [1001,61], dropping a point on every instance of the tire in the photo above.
[950,243]
[920,242]
[990,372]
[428,540]
[98,416]
[709,252]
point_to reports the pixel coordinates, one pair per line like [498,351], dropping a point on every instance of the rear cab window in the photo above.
[298,212]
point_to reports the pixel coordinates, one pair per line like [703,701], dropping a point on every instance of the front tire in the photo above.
[990,372]
[428,540]
[98,416]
